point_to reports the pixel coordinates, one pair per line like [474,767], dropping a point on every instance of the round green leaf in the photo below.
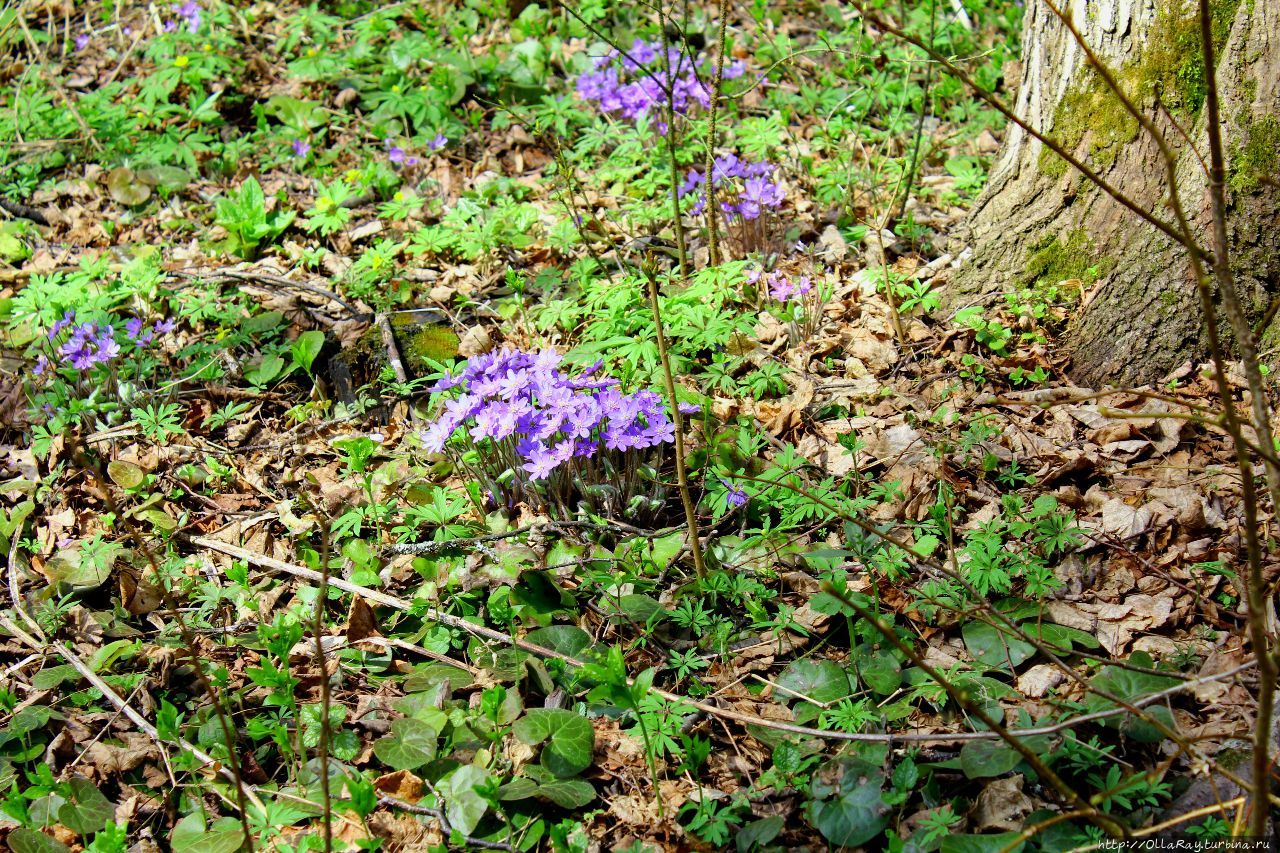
[993,647]
[852,817]
[463,806]
[125,188]
[124,474]
[410,744]
[571,738]
[982,759]
[224,835]
[23,840]
[819,680]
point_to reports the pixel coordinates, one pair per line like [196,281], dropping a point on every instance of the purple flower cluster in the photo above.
[781,287]
[190,14]
[744,189]
[640,81]
[90,344]
[397,154]
[526,403]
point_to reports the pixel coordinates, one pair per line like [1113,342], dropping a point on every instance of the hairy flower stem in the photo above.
[677,419]
[713,237]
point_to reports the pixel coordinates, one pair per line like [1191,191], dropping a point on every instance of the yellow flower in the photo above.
[399,196]
[395,87]
[352,175]
[375,261]
[324,204]
[311,51]
[181,61]
[207,48]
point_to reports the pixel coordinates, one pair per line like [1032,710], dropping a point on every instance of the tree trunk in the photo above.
[1039,222]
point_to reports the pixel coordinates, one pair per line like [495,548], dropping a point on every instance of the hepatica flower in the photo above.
[640,82]
[744,190]
[300,147]
[527,415]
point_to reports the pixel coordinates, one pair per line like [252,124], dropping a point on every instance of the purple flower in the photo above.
[301,148]
[68,317]
[82,41]
[540,465]
[438,141]
[190,11]
[169,26]
[689,408]
[133,330]
[639,84]
[396,154]
[734,496]
[164,327]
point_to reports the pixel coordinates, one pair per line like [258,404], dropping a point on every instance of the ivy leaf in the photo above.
[993,647]
[982,759]
[463,806]
[571,738]
[819,680]
[877,668]
[224,835]
[23,840]
[125,188]
[566,639]
[410,744]
[857,813]
[567,793]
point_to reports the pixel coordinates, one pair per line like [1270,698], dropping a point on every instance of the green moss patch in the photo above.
[1170,66]
[1257,156]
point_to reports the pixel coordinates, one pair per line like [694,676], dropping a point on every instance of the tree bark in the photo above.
[1039,221]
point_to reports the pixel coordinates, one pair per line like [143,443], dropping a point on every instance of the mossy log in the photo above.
[1039,221]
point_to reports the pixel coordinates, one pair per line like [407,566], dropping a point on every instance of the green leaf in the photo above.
[982,759]
[267,369]
[306,348]
[125,188]
[224,835]
[463,806]
[567,793]
[23,840]
[87,810]
[124,474]
[993,647]
[70,568]
[816,679]
[159,519]
[410,744]
[758,833]
[878,669]
[1127,685]
[167,178]
[1060,637]
[47,679]
[857,813]
[571,738]
[636,607]
[565,639]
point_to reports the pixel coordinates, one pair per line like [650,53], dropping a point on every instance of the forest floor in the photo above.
[335,420]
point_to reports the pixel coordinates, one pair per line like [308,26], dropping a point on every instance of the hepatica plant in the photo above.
[746,193]
[639,83]
[528,430]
